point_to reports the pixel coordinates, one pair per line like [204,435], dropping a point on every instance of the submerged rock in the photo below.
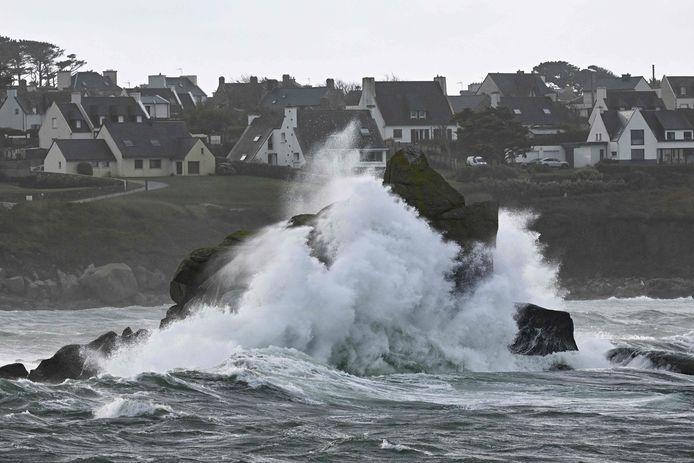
[542,331]
[673,361]
[13,371]
[74,360]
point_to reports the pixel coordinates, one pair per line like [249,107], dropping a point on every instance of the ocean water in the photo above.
[349,343]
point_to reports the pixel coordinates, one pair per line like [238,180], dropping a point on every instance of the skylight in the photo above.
[127,142]
[365,131]
[547,110]
[256,138]
[243,158]
[155,142]
[516,111]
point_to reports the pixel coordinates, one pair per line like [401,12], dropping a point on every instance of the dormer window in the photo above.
[669,135]
[422,114]
[516,111]
[155,142]
[687,134]
[78,124]
[127,142]
[683,91]
[413,114]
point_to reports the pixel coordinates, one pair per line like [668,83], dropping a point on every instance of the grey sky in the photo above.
[413,39]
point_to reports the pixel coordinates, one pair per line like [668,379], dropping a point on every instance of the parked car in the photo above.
[554,162]
[475,161]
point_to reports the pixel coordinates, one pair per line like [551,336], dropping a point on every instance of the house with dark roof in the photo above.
[65,155]
[540,115]
[306,135]
[409,111]
[645,137]
[246,96]
[25,110]
[80,117]
[327,97]
[175,105]
[514,84]
[471,101]
[623,100]
[89,83]
[186,87]
[156,148]
[678,92]
[596,86]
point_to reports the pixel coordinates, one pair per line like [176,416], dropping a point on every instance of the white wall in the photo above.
[637,122]
[55,161]
[47,133]
[588,155]
[11,114]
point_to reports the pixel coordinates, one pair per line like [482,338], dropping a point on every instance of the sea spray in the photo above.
[385,302]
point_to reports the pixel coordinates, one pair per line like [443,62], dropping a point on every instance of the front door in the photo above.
[179,168]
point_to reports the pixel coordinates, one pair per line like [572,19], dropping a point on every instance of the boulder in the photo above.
[74,360]
[15,285]
[542,331]
[13,371]
[69,285]
[112,284]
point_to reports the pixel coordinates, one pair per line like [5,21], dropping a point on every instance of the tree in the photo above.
[70,63]
[42,57]
[491,133]
[346,87]
[560,73]
[13,59]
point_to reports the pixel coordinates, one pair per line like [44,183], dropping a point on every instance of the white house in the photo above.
[301,134]
[186,87]
[24,110]
[593,85]
[678,91]
[644,136]
[409,111]
[65,155]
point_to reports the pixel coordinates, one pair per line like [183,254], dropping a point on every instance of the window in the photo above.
[546,111]
[104,164]
[397,133]
[101,120]
[422,114]
[284,137]
[155,163]
[637,137]
[138,163]
[683,91]
[638,154]
[78,124]
[516,111]
[687,135]
[370,156]
[243,157]
[669,136]
[60,164]
[269,142]
[138,119]
[149,109]
[364,132]
[193,167]
[54,123]
[296,157]
[256,138]
[16,111]
[202,150]
[155,142]
[613,154]
[598,136]
[413,114]
[127,142]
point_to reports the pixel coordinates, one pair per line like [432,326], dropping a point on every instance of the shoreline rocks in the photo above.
[542,331]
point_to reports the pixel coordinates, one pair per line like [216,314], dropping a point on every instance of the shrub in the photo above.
[497,172]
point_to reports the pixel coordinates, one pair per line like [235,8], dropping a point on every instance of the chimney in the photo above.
[442,83]
[64,80]
[330,83]
[495,99]
[11,93]
[76,97]
[254,80]
[111,74]
[368,93]
[290,115]
[626,76]
[600,93]
[158,81]
[193,79]
[286,80]
[221,80]
[271,84]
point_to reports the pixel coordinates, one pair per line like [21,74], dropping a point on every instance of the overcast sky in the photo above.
[312,40]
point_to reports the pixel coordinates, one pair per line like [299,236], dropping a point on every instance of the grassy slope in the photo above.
[156,229]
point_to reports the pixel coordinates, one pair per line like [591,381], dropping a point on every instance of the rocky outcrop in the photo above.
[76,361]
[13,371]
[112,284]
[542,331]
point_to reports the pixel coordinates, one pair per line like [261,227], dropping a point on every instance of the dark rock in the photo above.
[13,371]
[673,361]
[74,361]
[15,285]
[113,284]
[542,331]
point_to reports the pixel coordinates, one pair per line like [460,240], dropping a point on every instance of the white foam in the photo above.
[121,407]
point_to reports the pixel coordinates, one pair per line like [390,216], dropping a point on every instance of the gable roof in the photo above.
[625,82]
[151,139]
[679,82]
[165,93]
[39,99]
[85,150]
[534,111]
[112,107]
[459,103]
[186,100]
[71,112]
[183,84]
[613,123]
[519,84]
[352,98]
[395,100]
[94,84]
[630,99]
[280,98]
[315,127]
[255,136]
